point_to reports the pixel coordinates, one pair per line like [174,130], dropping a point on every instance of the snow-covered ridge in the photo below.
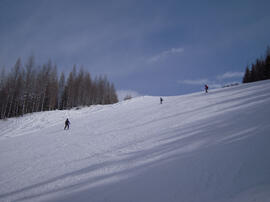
[197,147]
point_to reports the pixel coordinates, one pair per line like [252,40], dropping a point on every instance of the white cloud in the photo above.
[229,75]
[195,82]
[165,54]
[123,93]
[201,82]
[215,85]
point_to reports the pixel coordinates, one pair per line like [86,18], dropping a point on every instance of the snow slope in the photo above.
[192,148]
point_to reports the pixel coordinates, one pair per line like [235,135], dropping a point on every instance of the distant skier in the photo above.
[161,100]
[67,124]
[206,88]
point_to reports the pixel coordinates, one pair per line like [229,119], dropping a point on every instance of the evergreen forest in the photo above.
[260,70]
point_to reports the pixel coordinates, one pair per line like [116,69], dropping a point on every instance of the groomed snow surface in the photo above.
[192,148]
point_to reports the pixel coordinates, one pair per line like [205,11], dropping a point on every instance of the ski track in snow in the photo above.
[192,148]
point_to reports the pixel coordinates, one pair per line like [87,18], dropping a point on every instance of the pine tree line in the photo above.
[259,71]
[30,88]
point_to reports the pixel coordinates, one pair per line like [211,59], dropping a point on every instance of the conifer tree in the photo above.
[246,78]
[260,70]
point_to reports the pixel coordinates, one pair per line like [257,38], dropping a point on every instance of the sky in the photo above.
[150,47]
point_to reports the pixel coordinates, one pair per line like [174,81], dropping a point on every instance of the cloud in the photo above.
[202,82]
[194,82]
[229,75]
[217,82]
[215,85]
[165,54]
[123,93]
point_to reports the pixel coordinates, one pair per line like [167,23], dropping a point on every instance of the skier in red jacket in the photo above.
[206,88]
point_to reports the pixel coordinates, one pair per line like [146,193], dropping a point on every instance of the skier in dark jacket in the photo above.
[161,100]
[206,88]
[67,124]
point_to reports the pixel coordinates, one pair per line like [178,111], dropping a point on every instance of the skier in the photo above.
[67,124]
[206,88]
[161,100]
